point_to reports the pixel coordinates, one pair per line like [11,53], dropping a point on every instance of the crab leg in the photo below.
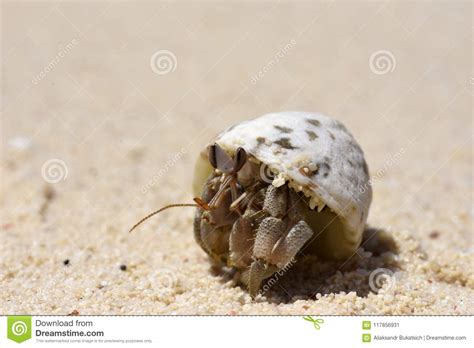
[275,247]
[269,232]
[241,240]
[288,246]
[259,271]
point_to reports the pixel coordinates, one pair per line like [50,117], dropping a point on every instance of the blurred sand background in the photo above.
[97,131]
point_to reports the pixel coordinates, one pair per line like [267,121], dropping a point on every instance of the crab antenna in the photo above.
[159,211]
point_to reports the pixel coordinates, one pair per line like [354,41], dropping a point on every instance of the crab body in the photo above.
[278,186]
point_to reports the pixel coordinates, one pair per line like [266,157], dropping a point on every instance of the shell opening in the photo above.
[331,237]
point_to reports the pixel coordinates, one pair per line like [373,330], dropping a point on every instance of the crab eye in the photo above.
[219,159]
[212,156]
[239,159]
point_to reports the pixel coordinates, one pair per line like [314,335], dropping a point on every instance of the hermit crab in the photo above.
[276,188]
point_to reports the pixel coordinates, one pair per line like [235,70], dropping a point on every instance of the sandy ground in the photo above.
[97,131]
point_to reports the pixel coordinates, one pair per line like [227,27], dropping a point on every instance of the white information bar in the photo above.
[236,331]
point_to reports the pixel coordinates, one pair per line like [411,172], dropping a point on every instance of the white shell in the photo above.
[316,155]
